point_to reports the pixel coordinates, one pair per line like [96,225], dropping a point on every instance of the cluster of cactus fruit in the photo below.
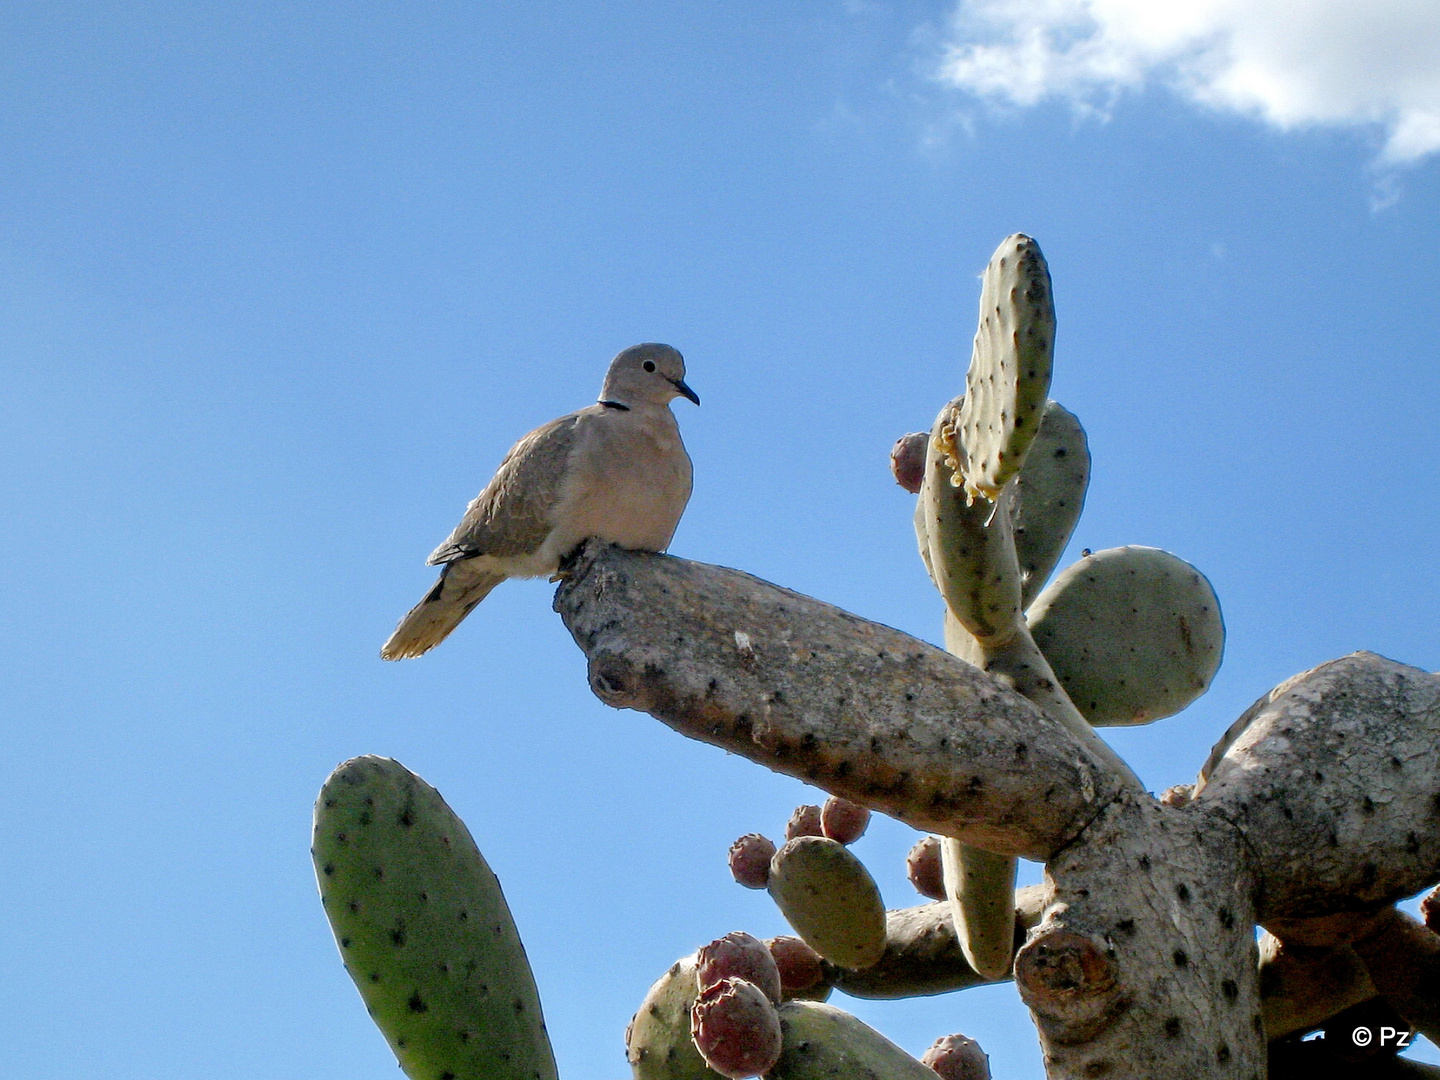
[1124,636]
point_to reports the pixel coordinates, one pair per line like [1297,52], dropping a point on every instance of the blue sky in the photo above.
[279,285]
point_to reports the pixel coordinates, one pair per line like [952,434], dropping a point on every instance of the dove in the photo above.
[615,470]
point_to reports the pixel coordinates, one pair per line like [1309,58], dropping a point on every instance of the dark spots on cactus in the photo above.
[464,915]
[909,696]
[1098,1068]
[1144,862]
[1367,806]
[842,770]
[344,942]
[1180,958]
[1258,1022]
[329,804]
[1230,989]
[1222,1053]
[374,976]
[1412,843]
[328,869]
[1368,873]
[365,817]
[519,1007]
[1172,1027]
[1126,927]
[1227,920]
[407,818]
[1182,893]
[447,1074]
[1319,777]
[1288,814]
[712,687]
[416,1004]
[344,838]
[354,907]
[397,935]
[1333,838]
[1021,751]
[875,744]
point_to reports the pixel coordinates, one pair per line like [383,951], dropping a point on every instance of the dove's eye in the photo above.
[649,365]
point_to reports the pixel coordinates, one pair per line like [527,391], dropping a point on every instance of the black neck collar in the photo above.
[613,405]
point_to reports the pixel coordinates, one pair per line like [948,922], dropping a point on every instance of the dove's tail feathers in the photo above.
[460,588]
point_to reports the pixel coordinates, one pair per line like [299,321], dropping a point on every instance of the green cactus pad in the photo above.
[424,929]
[1009,377]
[980,886]
[657,1042]
[967,545]
[830,899]
[1047,497]
[822,1042]
[1132,633]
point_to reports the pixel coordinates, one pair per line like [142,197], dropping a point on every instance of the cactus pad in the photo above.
[657,1042]
[822,1042]
[1048,495]
[1132,633]
[1009,377]
[424,929]
[830,899]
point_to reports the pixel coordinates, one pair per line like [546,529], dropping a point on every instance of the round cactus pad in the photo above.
[1008,382]
[1132,633]
[830,899]
[424,929]
[657,1042]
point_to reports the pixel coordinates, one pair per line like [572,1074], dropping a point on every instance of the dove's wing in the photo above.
[513,515]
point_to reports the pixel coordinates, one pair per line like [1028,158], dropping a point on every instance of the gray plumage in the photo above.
[616,470]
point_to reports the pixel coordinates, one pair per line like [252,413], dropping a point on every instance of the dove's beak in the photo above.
[685,391]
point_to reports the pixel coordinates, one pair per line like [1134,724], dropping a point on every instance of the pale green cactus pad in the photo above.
[424,929]
[1009,377]
[980,886]
[1132,633]
[1047,496]
[822,1042]
[830,899]
[971,553]
[657,1042]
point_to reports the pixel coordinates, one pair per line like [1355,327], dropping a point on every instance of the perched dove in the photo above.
[616,470]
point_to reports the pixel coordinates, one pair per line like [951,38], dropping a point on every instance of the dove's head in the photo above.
[647,374]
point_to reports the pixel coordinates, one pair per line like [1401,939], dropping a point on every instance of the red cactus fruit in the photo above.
[957,1058]
[924,868]
[750,860]
[907,460]
[1430,910]
[843,820]
[742,956]
[805,821]
[736,1029]
[799,965]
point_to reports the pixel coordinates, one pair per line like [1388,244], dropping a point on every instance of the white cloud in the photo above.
[1290,63]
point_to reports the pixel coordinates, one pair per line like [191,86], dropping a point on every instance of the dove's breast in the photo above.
[628,482]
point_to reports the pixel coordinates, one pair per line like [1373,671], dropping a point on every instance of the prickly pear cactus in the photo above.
[830,899]
[424,929]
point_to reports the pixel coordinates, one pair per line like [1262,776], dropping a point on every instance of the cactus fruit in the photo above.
[1049,493]
[907,460]
[750,860]
[830,899]
[1008,381]
[804,821]
[1430,910]
[924,869]
[822,1042]
[738,955]
[981,886]
[658,1044]
[843,821]
[424,929]
[736,1029]
[955,1057]
[1132,633]
[802,972]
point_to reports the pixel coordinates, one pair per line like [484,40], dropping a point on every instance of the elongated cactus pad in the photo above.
[968,546]
[424,929]
[1009,377]
[1047,496]
[980,886]
[830,899]
[822,1042]
[1132,633]
[657,1042]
